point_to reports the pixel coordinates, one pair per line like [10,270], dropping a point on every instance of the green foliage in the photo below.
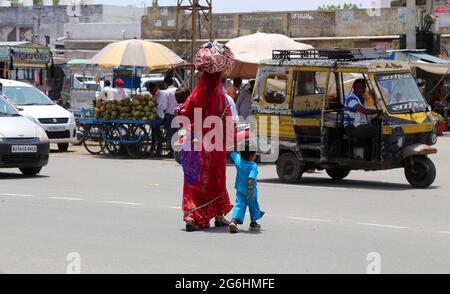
[56,2]
[155,3]
[38,2]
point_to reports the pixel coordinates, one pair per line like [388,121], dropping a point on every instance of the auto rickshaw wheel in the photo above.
[288,168]
[420,172]
[338,173]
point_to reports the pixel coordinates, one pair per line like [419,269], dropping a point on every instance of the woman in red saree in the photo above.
[205,194]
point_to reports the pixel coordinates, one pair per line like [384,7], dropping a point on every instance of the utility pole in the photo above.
[200,14]
[411,25]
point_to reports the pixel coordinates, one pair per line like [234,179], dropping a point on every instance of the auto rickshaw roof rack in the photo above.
[330,54]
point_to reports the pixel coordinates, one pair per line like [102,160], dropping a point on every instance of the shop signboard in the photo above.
[443,14]
[4,54]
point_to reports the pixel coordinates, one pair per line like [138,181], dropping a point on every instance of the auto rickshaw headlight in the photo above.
[432,138]
[400,142]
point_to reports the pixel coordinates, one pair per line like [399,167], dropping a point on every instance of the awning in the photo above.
[78,62]
[433,68]
[429,58]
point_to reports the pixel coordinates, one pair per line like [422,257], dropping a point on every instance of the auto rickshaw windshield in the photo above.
[401,93]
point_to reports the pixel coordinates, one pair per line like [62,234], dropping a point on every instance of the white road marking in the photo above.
[121,203]
[154,185]
[306,186]
[382,226]
[16,195]
[308,219]
[175,207]
[66,198]
[445,232]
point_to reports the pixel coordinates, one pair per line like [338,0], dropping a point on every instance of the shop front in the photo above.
[27,62]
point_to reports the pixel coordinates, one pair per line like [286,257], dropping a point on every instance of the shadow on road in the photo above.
[56,151]
[350,184]
[19,176]
[126,157]
[243,229]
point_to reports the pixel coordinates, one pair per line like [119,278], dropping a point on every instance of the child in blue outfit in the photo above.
[246,190]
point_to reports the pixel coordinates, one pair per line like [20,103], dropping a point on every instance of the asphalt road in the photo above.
[124,216]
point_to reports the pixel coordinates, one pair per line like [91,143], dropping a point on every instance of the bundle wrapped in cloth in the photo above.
[213,58]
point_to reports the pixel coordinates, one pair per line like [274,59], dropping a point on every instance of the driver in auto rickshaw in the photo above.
[357,120]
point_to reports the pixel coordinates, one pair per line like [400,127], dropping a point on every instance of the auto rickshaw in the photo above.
[305,92]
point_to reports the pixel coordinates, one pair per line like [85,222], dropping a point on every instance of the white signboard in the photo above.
[171,23]
[157,23]
[347,17]
[443,14]
[402,14]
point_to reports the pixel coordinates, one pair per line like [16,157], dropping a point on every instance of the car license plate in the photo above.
[24,149]
[56,128]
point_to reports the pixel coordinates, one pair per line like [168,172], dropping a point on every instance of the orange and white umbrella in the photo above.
[137,53]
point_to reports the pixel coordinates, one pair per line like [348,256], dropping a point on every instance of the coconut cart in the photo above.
[123,127]
[127,125]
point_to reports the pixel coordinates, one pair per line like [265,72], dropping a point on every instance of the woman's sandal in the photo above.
[221,222]
[190,225]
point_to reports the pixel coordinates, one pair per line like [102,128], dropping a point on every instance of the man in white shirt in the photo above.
[234,112]
[161,100]
[244,101]
[169,109]
[107,93]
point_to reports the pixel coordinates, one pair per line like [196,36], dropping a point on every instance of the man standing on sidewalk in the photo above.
[171,104]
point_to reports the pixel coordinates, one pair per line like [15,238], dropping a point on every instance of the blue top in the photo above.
[245,170]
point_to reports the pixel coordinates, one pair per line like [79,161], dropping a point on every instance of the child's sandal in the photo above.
[233,228]
[255,226]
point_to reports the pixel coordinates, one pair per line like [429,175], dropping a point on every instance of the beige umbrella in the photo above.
[250,50]
[137,53]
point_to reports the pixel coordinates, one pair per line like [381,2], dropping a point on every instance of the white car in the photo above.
[158,80]
[58,123]
[23,143]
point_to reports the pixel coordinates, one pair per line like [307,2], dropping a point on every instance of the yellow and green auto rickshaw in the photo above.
[304,92]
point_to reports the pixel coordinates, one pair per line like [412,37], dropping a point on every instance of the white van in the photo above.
[58,123]
[23,143]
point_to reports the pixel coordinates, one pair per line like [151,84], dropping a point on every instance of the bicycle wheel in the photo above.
[115,134]
[93,140]
[139,135]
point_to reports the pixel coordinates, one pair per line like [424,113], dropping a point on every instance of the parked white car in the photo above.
[23,143]
[58,123]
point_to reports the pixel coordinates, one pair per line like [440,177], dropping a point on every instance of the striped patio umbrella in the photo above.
[137,53]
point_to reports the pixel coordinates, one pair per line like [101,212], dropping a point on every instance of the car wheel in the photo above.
[30,171]
[421,173]
[63,147]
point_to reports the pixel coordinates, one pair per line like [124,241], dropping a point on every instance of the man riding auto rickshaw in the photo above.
[343,110]
[357,120]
